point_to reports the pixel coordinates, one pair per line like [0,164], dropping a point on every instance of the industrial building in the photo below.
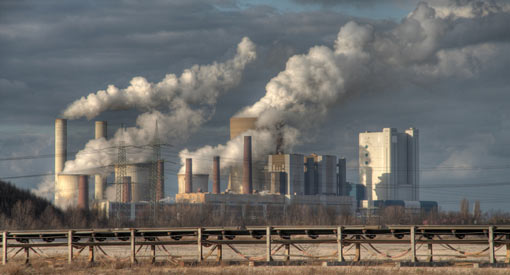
[388,164]
[388,172]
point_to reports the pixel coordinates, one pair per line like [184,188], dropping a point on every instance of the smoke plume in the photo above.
[425,46]
[179,105]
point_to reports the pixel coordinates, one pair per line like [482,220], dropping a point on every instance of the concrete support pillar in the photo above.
[357,255]
[133,246]
[27,255]
[507,259]
[91,251]
[247,167]
[199,244]
[431,255]
[70,246]
[339,240]
[492,256]
[413,244]
[216,175]
[5,244]
[153,253]
[268,244]
[219,250]
[188,177]
[287,252]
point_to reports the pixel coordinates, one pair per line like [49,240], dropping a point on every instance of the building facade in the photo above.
[389,164]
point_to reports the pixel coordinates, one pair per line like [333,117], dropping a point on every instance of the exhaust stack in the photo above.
[247,167]
[100,181]
[188,177]
[60,153]
[216,175]
[83,192]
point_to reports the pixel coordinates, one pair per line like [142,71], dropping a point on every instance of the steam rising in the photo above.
[423,47]
[179,104]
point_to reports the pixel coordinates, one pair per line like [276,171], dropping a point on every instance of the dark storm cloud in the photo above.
[53,52]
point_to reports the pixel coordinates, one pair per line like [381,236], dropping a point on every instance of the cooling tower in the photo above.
[83,192]
[140,174]
[67,190]
[239,125]
[100,181]
[200,183]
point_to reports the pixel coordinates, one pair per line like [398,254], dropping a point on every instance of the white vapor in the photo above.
[423,47]
[179,105]
[46,188]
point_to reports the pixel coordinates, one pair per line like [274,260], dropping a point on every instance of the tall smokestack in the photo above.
[60,152]
[160,186]
[100,181]
[60,145]
[83,192]
[188,177]
[126,189]
[216,175]
[247,174]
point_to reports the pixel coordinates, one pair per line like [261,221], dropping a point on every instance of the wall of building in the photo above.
[292,165]
[388,162]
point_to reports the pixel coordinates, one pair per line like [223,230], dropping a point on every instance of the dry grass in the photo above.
[53,266]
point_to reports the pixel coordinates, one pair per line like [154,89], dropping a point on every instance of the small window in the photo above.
[366,146]
[366,162]
[366,154]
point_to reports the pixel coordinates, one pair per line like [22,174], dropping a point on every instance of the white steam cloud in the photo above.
[423,47]
[179,105]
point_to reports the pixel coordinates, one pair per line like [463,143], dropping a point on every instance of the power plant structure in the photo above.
[389,169]
[389,176]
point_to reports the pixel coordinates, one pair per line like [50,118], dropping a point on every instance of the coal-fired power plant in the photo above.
[255,179]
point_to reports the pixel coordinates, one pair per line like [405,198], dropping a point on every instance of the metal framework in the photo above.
[274,238]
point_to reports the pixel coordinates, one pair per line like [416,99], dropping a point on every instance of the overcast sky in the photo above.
[441,67]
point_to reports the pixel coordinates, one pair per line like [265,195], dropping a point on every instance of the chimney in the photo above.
[83,192]
[216,175]
[160,186]
[126,189]
[247,165]
[60,145]
[188,177]
[99,180]
[60,152]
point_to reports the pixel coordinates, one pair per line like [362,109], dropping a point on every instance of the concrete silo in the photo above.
[140,174]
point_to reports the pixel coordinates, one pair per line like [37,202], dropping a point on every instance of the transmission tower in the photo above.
[156,156]
[120,172]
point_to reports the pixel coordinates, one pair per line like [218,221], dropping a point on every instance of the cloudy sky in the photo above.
[439,66]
